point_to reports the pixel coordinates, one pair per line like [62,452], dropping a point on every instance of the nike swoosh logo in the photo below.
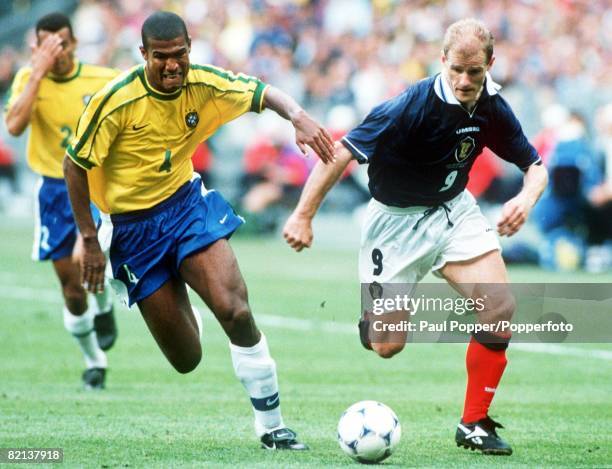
[139,128]
[271,402]
[222,221]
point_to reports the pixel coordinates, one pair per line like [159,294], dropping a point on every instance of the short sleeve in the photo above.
[247,97]
[384,121]
[363,139]
[95,134]
[233,94]
[19,83]
[509,142]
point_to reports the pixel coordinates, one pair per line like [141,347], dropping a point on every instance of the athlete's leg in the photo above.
[75,296]
[78,320]
[214,274]
[376,334]
[172,323]
[484,278]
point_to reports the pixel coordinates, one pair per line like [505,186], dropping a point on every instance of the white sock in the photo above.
[101,303]
[256,370]
[198,318]
[81,327]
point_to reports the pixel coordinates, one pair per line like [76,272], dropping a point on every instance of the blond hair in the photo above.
[467,30]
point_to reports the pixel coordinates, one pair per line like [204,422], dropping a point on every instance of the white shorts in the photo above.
[394,251]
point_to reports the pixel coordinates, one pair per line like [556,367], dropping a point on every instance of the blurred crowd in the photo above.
[341,57]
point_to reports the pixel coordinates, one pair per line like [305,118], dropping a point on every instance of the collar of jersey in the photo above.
[152,91]
[71,76]
[445,93]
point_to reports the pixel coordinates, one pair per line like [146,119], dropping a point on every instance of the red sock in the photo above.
[485,368]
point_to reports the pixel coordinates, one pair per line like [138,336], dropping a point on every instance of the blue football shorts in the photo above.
[55,231]
[147,247]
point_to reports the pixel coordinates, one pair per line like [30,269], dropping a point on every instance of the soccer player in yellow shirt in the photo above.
[163,229]
[49,95]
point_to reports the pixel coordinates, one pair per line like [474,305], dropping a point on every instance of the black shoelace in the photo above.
[431,211]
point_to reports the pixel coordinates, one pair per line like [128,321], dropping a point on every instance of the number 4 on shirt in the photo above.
[167,164]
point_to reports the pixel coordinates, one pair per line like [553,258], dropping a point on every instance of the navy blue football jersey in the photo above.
[421,145]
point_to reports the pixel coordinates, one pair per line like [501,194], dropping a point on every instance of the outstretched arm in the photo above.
[298,228]
[93,260]
[43,56]
[517,209]
[307,130]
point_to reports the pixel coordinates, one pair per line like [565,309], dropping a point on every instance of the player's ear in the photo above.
[189,43]
[443,57]
[143,52]
[490,64]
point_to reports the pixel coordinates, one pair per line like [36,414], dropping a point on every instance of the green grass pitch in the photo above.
[557,408]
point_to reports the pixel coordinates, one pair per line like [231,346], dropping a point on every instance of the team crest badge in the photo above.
[465,149]
[192,119]
[86,99]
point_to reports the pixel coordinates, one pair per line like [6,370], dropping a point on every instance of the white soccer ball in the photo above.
[369,431]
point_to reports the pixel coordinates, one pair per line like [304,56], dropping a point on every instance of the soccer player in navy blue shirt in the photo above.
[420,147]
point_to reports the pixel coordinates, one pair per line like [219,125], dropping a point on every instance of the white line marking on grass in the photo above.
[12,277]
[30,294]
[295,324]
[337,327]
[310,325]
[283,322]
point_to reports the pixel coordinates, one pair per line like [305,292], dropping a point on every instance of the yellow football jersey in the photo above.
[141,140]
[56,111]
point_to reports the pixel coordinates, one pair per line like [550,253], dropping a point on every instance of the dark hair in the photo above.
[163,25]
[53,22]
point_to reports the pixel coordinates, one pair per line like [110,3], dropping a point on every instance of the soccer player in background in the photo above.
[420,147]
[165,230]
[49,95]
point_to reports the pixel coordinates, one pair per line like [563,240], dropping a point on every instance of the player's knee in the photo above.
[237,315]
[387,350]
[502,310]
[188,362]
[73,293]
